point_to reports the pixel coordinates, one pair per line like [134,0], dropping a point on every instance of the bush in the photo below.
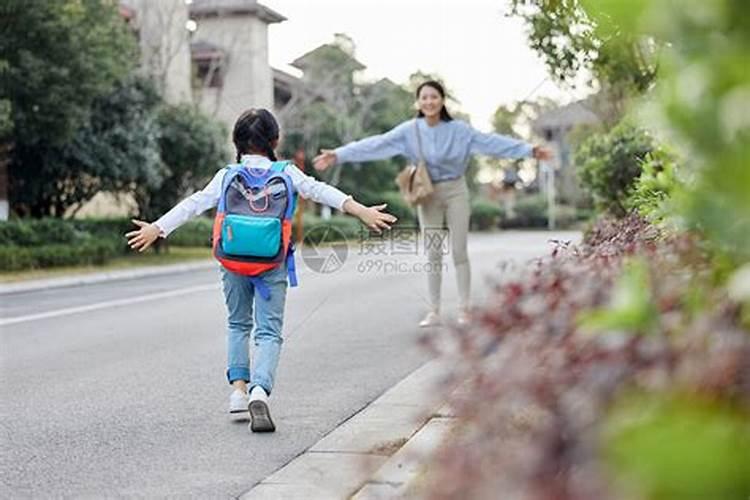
[317,230]
[485,214]
[37,232]
[651,196]
[609,164]
[40,243]
[14,258]
[603,366]
[18,258]
[530,211]
[196,233]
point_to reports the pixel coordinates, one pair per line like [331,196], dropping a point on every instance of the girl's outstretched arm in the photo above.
[195,204]
[376,147]
[308,187]
[144,236]
[372,217]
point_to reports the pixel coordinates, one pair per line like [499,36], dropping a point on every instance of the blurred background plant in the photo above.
[618,368]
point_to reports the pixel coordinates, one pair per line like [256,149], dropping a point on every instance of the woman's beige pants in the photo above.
[447,207]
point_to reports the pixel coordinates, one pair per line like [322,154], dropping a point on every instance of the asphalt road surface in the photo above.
[118,388]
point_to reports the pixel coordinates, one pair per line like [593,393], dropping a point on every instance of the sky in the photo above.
[480,52]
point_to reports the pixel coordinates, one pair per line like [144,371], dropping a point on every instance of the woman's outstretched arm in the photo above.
[502,146]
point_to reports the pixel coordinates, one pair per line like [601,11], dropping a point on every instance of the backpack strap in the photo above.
[261,286]
[279,166]
[291,268]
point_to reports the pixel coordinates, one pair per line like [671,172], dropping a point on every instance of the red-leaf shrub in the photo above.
[537,385]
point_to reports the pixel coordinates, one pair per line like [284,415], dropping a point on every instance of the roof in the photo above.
[201,49]
[575,113]
[284,77]
[301,62]
[215,8]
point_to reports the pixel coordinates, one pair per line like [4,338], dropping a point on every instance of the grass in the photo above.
[150,258]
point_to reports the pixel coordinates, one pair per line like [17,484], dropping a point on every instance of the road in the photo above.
[118,389]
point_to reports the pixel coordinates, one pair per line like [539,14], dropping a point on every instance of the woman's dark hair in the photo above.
[444,115]
[255,131]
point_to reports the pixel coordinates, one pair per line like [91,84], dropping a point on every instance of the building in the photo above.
[161,29]
[229,53]
[213,53]
[554,126]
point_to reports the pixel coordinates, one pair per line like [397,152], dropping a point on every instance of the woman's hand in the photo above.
[372,217]
[144,237]
[325,159]
[541,153]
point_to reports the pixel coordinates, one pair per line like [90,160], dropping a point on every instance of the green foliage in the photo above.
[58,57]
[91,252]
[702,99]
[195,233]
[631,307]
[571,36]
[675,448]
[609,164]
[655,188]
[485,214]
[192,147]
[115,150]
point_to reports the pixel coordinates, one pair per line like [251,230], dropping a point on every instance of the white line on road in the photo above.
[108,303]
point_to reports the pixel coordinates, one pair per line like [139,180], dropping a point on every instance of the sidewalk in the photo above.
[379,453]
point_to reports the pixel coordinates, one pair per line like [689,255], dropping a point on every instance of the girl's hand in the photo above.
[372,217]
[541,153]
[325,159]
[144,237]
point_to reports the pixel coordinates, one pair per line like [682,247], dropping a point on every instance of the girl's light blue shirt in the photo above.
[446,146]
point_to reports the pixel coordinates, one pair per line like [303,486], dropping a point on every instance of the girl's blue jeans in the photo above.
[247,309]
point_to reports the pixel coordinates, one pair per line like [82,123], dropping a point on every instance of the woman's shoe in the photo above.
[432,319]
[464,317]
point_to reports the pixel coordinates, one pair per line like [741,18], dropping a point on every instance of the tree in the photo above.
[574,36]
[192,149]
[60,56]
[116,149]
[329,108]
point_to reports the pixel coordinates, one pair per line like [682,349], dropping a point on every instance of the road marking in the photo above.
[109,303]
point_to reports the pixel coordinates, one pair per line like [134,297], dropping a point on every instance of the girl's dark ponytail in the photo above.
[255,131]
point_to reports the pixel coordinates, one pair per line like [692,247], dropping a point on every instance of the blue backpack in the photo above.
[252,231]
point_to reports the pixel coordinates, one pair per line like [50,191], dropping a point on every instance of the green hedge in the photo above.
[485,214]
[18,258]
[43,243]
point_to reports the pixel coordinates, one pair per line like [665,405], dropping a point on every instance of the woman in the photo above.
[446,145]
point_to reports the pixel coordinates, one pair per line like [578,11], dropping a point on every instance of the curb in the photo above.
[87,279]
[339,464]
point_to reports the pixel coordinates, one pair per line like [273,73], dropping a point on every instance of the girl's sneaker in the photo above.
[238,401]
[260,416]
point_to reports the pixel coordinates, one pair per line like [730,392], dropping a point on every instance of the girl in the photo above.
[255,137]
[446,147]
